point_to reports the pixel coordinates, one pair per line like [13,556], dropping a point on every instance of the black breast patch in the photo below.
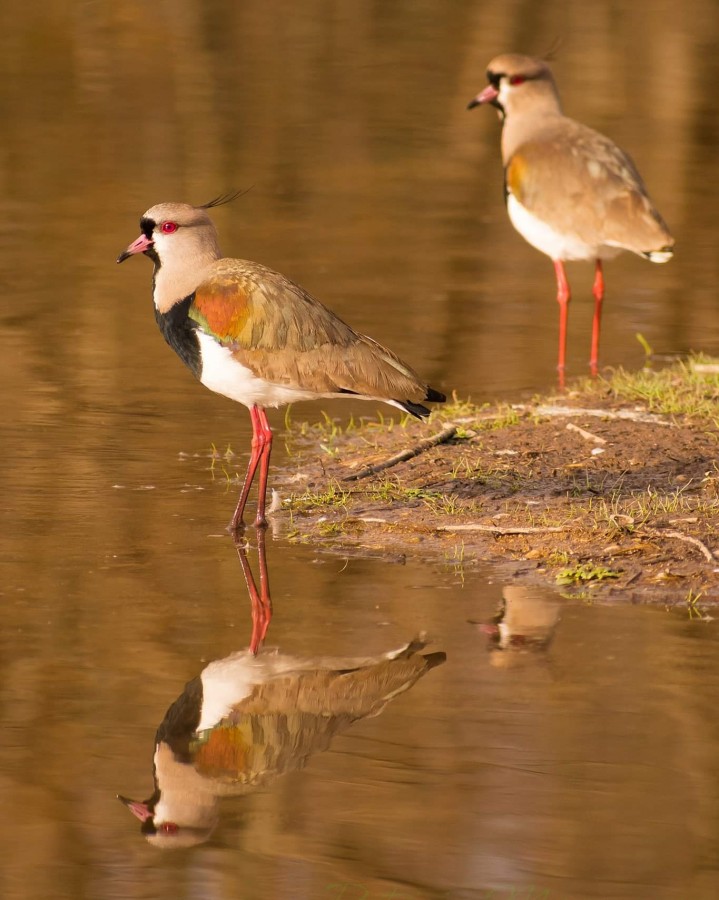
[179,330]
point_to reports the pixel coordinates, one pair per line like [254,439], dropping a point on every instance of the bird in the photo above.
[571,192]
[253,335]
[246,719]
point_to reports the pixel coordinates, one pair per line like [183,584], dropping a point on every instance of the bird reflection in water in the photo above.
[252,716]
[525,624]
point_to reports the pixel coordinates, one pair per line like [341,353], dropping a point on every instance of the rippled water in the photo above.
[562,750]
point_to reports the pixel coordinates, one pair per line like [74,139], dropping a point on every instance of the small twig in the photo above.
[441,437]
[629,414]
[496,529]
[687,538]
[706,368]
[587,435]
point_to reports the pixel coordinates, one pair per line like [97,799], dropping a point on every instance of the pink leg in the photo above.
[260,602]
[257,447]
[266,435]
[598,292]
[563,297]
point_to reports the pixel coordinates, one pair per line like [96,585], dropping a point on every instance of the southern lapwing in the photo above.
[570,191]
[247,719]
[256,337]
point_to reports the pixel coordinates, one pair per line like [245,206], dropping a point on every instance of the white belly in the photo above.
[554,244]
[222,373]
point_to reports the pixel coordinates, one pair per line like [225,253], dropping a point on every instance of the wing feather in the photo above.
[582,179]
[283,335]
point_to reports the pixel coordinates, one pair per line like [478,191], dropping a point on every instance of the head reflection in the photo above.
[525,623]
[256,714]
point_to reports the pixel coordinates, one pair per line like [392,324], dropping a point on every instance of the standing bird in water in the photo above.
[570,191]
[256,337]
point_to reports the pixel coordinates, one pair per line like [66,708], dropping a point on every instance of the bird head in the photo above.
[182,242]
[175,233]
[160,831]
[518,83]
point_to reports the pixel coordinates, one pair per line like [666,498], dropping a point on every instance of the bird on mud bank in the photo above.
[570,191]
[256,337]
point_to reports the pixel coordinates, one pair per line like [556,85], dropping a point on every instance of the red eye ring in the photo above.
[517,79]
[168,227]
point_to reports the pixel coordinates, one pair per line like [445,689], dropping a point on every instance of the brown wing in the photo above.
[574,177]
[285,336]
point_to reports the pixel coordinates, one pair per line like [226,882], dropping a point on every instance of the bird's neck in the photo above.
[175,281]
[522,129]
[185,797]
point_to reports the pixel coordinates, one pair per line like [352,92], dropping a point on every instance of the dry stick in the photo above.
[706,552]
[496,529]
[587,435]
[630,415]
[444,435]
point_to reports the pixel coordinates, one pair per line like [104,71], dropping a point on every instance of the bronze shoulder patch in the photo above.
[514,176]
[222,309]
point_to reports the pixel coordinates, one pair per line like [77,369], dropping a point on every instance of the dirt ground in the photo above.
[591,491]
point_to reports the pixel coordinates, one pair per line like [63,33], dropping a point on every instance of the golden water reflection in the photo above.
[586,768]
[250,717]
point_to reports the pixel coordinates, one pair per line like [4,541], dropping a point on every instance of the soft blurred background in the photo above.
[588,771]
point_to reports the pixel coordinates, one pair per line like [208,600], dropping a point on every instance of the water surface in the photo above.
[578,761]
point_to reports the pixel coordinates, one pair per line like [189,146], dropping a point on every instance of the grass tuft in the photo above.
[685,388]
[584,573]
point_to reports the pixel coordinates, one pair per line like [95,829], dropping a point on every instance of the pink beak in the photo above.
[138,809]
[488,95]
[138,246]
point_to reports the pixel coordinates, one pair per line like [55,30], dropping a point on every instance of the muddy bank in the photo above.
[608,490]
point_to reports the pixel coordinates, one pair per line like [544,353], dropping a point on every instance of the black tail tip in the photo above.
[435,659]
[418,409]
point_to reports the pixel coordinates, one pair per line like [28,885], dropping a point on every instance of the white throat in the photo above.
[185,256]
[178,279]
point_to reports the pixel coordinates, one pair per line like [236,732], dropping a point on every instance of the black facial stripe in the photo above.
[147,226]
[494,78]
[151,253]
[152,801]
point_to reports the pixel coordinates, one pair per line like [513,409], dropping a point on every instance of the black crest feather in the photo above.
[221,199]
[553,52]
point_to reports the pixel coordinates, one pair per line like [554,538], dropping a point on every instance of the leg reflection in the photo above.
[260,602]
